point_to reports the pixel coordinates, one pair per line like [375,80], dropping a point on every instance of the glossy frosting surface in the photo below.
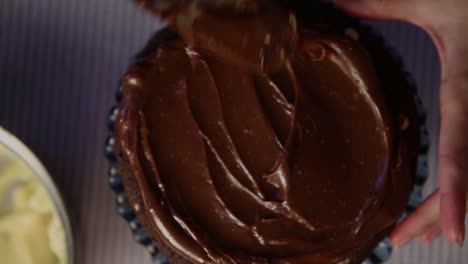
[240,162]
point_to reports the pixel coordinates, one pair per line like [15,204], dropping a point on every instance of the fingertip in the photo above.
[454,234]
[398,235]
[453,218]
[399,239]
[393,239]
[459,237]
[455,237]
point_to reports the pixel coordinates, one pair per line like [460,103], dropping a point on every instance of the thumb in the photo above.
[453,150]
[381,9]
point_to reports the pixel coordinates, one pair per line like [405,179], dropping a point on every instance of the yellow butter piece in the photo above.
[23,239]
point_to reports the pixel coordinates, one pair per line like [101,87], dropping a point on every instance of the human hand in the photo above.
[447,24]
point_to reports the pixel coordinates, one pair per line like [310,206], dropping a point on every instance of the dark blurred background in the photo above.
[60,63]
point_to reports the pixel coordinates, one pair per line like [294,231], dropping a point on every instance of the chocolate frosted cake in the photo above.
[292,142]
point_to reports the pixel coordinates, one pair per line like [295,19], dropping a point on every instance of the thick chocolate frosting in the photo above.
[303,163]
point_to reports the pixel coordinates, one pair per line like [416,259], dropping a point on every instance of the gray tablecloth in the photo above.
[60,62]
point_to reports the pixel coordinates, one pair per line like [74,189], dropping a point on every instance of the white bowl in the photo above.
[23,154]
